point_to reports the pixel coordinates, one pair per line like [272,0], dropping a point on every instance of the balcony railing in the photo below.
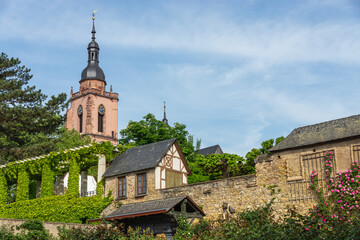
[94,90]
[87,194]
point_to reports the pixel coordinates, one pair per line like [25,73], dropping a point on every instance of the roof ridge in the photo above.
[326,122]
[216,145]
[153,143]
[155,200]
[332,130]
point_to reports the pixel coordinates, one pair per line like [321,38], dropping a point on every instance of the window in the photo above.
[173,179]
[315,161]
[100,123]
[80,115]
[101,113]
[141,184]
[356,153]
[122,187]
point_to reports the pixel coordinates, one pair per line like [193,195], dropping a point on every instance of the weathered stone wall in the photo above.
[50,226]
[111,185]
[280,176]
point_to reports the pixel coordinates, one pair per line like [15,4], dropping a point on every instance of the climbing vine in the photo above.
[47,181]
[54,164]
[3,188]
[22,188]
[74,171]
[339,198]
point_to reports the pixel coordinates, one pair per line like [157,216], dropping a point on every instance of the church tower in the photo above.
[93,111]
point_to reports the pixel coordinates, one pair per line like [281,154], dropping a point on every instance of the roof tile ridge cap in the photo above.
[153,200]
[329,121]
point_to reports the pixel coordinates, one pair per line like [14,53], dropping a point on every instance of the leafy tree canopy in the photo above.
[29,121]
[150,130]
[217,166]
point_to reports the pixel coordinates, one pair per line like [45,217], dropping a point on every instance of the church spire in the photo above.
[93,71]
[164,119]
[93,30]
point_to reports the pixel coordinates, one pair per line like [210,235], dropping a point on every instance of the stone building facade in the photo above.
[140,172]
[282,175]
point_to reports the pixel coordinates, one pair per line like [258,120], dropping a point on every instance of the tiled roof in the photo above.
[149,208]
[139,158]
[320,133]
[211,150]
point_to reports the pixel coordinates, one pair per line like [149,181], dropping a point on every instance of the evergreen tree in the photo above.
[29,120]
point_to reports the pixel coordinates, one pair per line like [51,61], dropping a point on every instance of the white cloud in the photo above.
[268,40]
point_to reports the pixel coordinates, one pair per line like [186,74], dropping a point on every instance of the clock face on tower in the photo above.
[80,110]
[101,109]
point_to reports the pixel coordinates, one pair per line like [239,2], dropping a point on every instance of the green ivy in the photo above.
[73,183]
[58,162]
[3,188]
[47,181]
[100,188]
[64,208]
[22,187]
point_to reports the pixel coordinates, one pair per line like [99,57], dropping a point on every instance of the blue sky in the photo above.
[235,72]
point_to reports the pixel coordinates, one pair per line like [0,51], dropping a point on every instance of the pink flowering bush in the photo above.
[339,199]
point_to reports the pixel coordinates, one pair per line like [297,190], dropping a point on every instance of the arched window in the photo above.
[80,115]
[101,113]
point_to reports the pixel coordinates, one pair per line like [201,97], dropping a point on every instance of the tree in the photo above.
[265,147]
[216,166]
[29,121]
[150,130]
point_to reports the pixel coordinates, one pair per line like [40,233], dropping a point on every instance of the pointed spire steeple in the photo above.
[93,71]
[93,29]
[164,119]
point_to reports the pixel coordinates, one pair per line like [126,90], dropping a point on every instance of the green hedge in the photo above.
[3,188]
[65,208]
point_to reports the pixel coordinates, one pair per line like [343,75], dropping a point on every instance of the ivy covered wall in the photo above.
[22,187]
[64,208]
[47,181]
[74,171]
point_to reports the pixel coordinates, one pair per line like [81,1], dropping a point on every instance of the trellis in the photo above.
[48,166]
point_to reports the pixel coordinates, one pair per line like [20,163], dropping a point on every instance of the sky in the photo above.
[235,73]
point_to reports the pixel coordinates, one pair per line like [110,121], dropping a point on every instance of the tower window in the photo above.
[80,115]
[101,113]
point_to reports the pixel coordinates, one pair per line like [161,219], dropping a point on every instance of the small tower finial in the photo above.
[164,119]
[93,30]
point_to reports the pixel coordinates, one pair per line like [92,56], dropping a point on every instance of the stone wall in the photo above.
[282,176]
[241,193]
[111,185]
[50,226]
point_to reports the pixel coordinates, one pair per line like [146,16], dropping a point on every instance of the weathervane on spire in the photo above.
[93,30]
[93,14]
